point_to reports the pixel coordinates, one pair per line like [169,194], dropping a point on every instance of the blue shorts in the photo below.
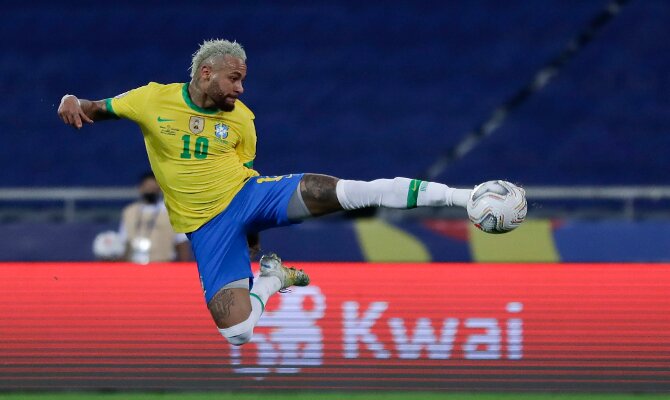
[220,246]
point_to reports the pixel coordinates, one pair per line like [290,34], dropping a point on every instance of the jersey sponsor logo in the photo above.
[221,131]
[161,119]
[196,124]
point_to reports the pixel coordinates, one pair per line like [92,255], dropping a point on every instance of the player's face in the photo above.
[225,84]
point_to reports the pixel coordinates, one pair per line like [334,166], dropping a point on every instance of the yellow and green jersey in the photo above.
[201,157]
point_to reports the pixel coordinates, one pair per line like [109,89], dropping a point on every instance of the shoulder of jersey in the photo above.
[244,109]
[164,86]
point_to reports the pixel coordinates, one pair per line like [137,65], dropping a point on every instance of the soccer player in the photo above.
[201,143]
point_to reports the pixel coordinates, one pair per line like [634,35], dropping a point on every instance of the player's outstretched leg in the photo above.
[236,311]
[322,194]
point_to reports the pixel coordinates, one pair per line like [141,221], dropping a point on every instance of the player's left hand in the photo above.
[71,113]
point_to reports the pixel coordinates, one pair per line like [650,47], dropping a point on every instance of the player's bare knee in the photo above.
[319,193]
[318,187]
[230,306]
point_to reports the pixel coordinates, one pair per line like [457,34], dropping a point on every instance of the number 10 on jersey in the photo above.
[201,146]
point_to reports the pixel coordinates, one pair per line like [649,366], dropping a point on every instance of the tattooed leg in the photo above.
[319,194]
[230,307]
[236,311]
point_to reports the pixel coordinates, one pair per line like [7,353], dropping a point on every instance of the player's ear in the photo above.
[205,72]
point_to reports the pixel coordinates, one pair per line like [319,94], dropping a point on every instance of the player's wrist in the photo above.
[67,96]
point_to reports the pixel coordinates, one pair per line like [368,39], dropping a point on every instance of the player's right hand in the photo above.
[71,113]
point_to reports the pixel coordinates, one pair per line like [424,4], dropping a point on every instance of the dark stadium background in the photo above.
[358,90]
[354,89]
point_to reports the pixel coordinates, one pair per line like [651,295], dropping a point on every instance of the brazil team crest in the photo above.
[196,124]
[221,131]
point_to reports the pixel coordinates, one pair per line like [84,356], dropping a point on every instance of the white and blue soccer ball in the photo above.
[497,206]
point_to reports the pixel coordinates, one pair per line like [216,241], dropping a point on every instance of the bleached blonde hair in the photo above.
[210,49]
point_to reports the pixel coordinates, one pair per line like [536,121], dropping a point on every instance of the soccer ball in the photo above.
[497,206]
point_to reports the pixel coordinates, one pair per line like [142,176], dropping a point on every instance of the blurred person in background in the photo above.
[145,234]
[146,231]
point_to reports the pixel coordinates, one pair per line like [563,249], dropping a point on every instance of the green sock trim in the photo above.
[413,193]
[259,299]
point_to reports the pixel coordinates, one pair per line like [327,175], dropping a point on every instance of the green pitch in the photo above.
[331,396]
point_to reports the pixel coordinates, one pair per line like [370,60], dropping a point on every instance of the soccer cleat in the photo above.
[271,265]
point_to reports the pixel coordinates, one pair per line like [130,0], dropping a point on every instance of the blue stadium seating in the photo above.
[349,88]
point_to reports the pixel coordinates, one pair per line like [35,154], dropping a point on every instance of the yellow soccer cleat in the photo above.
[271,265]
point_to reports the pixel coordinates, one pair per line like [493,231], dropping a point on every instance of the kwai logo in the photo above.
[482,338]
[291,337]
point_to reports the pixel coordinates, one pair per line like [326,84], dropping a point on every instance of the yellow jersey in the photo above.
[201,157]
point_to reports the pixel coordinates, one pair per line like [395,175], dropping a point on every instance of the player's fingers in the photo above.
[67,118]
[62,115]
[85,117]
[77,121]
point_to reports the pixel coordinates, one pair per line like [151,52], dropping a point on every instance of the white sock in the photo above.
[264,287]
[435,194]
[398,193]
[257,309]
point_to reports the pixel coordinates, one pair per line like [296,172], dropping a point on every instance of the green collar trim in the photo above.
[190,103]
